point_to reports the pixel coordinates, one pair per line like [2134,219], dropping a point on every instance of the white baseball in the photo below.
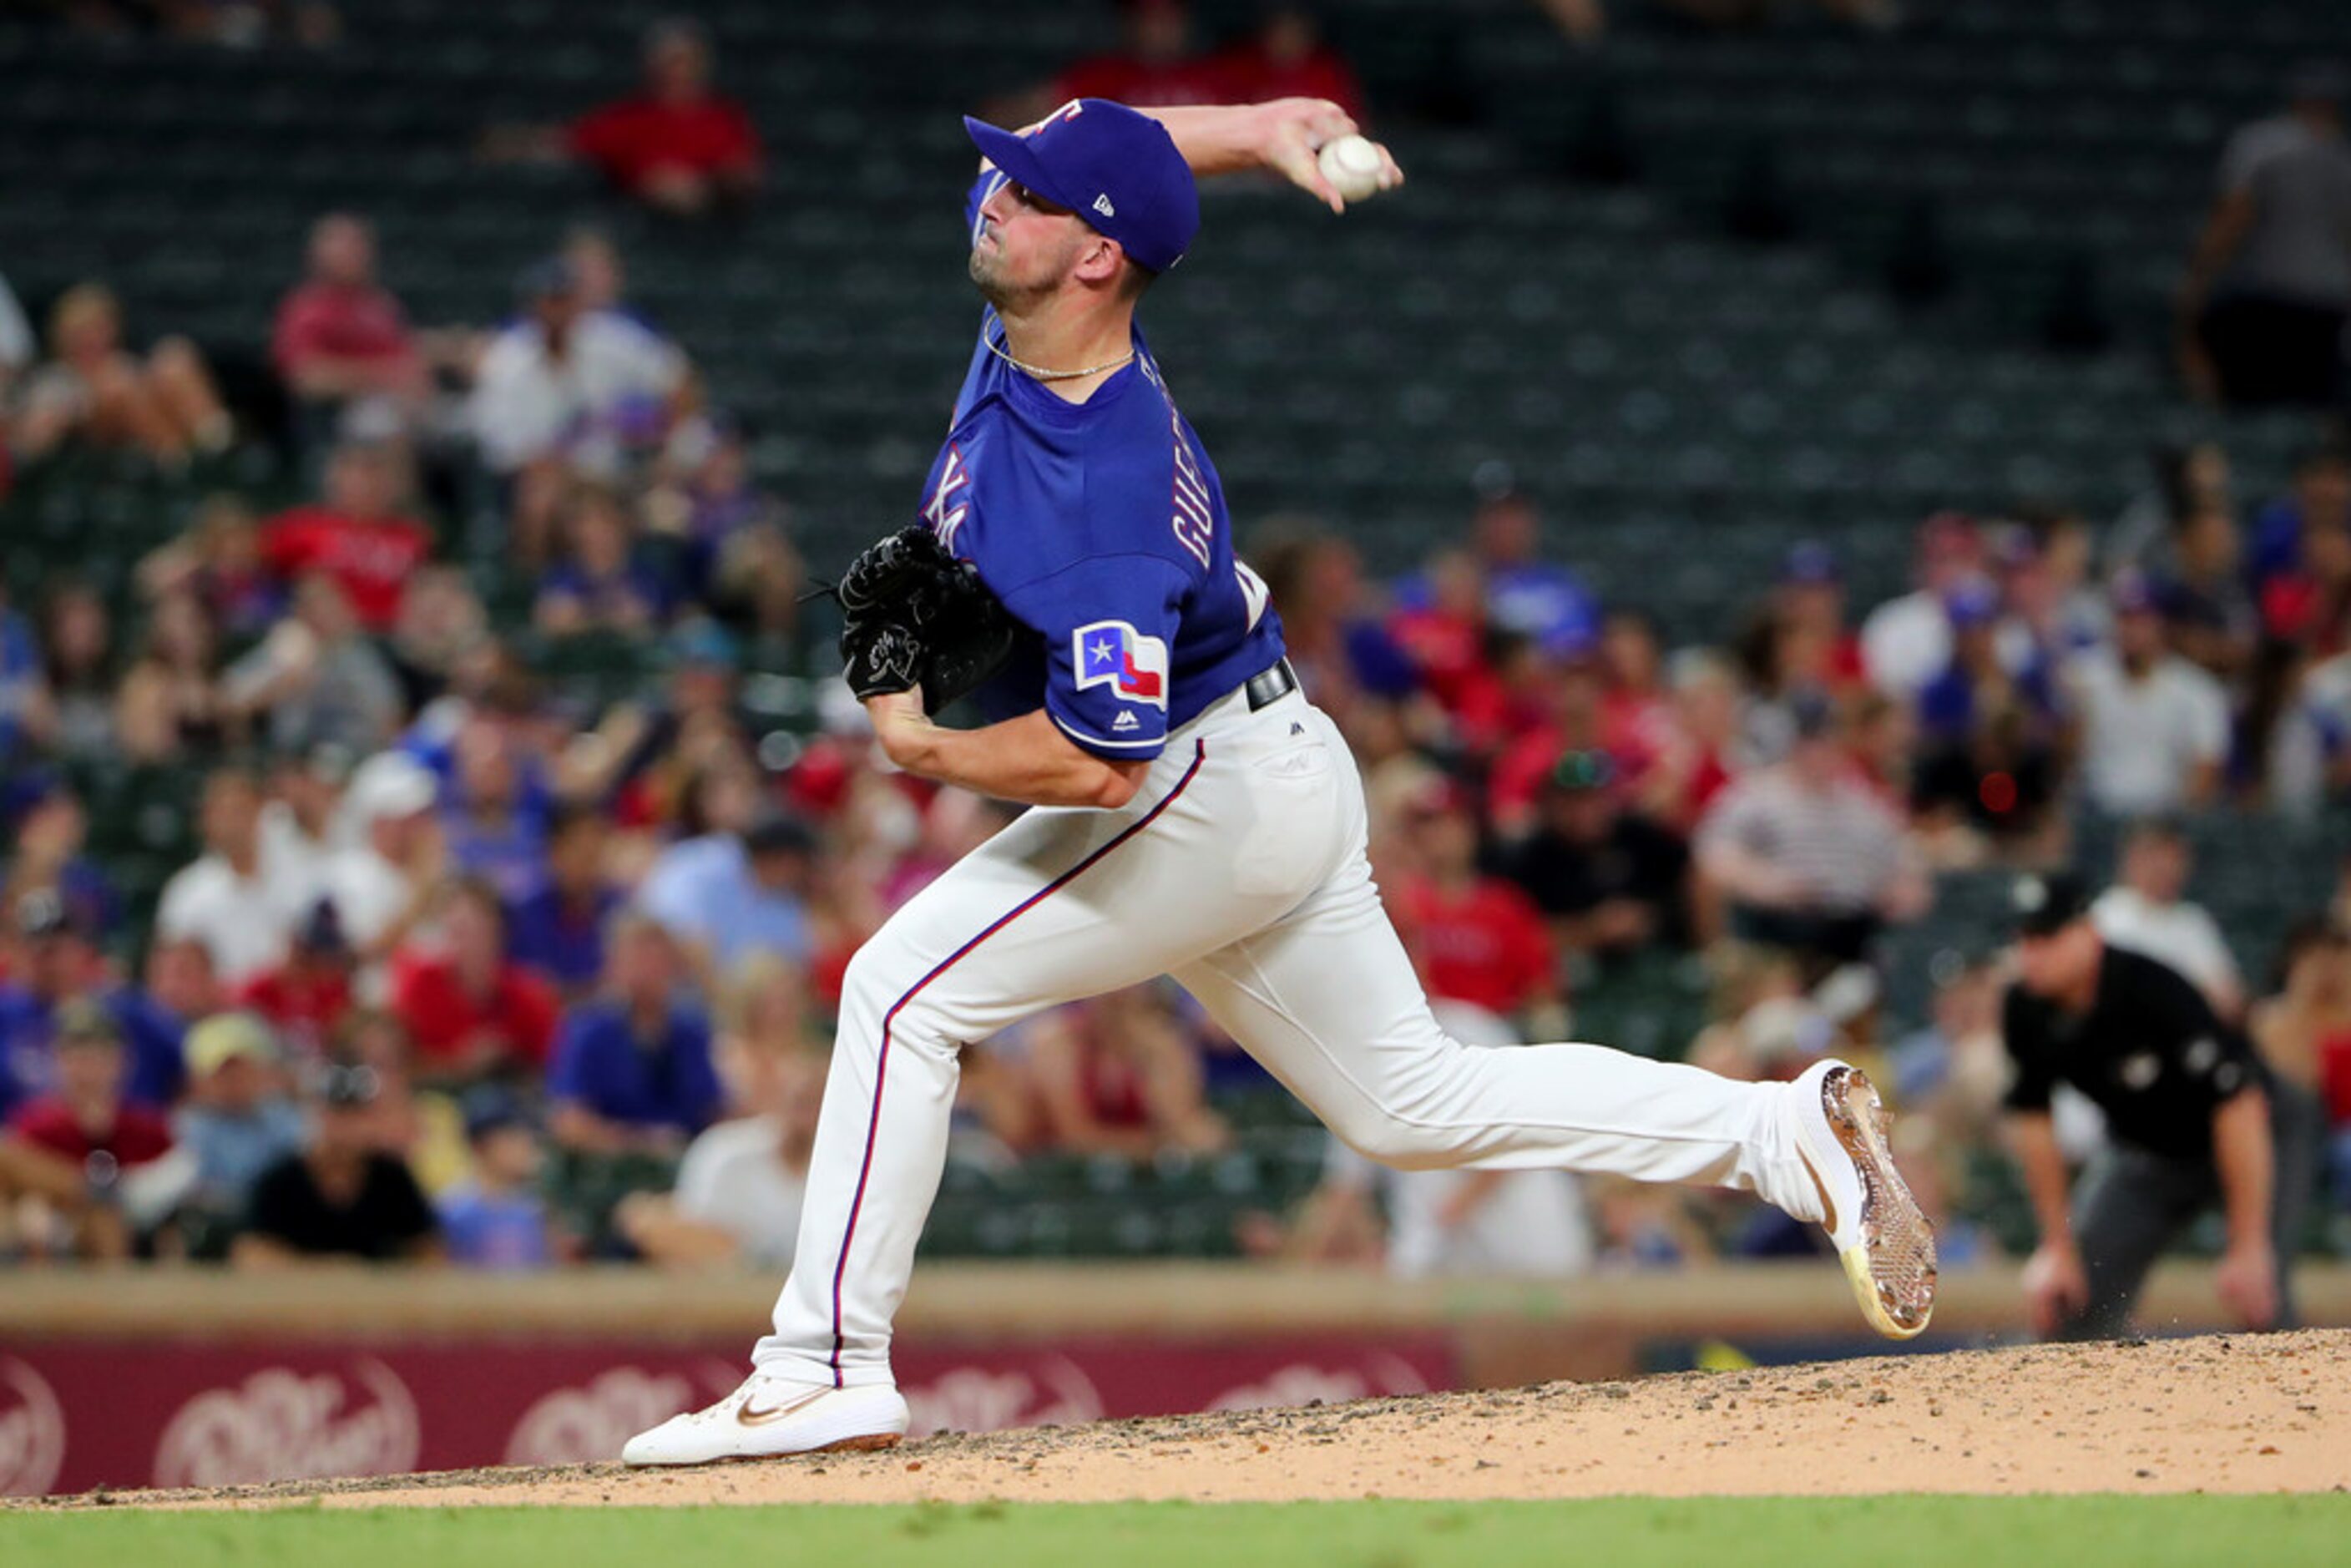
[1353,165]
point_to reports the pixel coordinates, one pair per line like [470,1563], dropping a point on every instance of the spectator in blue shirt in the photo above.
[632,1073]
[2321,498]
[1329,624]
[1525,594]
[727,896]
[56,966]
[496,1218]
[1989,758]
[238,1120]
[557,928]
[631,1081]
[1977,683]
[601,585]
[495,818]
[51,828]
[23,691]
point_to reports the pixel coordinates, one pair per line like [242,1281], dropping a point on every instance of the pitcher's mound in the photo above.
[2259,1413]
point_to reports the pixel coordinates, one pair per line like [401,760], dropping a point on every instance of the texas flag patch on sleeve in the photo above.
[1115,655]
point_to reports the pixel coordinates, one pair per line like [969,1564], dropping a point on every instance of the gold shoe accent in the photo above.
[746,1416]
[1892,1267]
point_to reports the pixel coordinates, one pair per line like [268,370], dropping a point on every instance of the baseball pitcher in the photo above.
[1192,813]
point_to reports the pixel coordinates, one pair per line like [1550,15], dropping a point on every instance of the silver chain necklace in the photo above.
[1045,375]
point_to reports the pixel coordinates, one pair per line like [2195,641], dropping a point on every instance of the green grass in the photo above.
[1911,1532]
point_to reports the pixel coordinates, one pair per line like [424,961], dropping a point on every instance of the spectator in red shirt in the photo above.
[340,335]
[1810,598]
[308,996]
[1636,711]
[1287,57]
[1117,1075]
[1481,940]
[472,1012]
[1445,637]
[1157,65]
[355,534]
[1706,746]
[75,1143]
[2303,607]
[1569,718]
[676,146]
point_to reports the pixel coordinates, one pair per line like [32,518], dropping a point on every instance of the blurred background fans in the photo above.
[418,419]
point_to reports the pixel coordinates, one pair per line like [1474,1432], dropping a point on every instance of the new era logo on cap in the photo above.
[1102,205]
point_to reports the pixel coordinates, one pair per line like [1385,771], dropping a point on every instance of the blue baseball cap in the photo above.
[1809,562]
[1116,169]
[2136,594]
[1972,602]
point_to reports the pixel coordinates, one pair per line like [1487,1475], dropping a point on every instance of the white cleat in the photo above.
[768,1417]
[1886,1243]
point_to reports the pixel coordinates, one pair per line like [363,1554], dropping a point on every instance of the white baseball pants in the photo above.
[1239,868]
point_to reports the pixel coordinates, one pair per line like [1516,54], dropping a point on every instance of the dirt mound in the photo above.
[2218,1413]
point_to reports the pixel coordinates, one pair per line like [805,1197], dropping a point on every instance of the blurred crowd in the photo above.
[463,970]
[475,965]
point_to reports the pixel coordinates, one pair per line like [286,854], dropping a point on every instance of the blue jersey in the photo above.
[1102,526]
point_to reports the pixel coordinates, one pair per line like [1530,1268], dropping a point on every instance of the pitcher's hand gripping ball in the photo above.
[1354,165]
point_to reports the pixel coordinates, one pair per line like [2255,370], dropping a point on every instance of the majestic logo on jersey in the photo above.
[946,519]
[1115,655]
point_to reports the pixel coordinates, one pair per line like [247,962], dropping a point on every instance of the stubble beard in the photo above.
[988,275]
[986,278]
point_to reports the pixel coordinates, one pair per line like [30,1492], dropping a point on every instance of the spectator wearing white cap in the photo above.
[388,876]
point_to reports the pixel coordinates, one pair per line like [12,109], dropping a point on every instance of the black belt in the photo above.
[1269,686]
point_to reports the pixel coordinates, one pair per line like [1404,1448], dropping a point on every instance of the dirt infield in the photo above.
[2215,1414]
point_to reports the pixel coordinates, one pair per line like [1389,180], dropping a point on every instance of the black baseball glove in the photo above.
[914,615]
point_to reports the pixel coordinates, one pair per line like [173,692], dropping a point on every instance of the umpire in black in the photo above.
[2186,1118]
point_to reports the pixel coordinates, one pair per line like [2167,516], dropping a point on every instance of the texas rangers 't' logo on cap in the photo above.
[1114,654]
